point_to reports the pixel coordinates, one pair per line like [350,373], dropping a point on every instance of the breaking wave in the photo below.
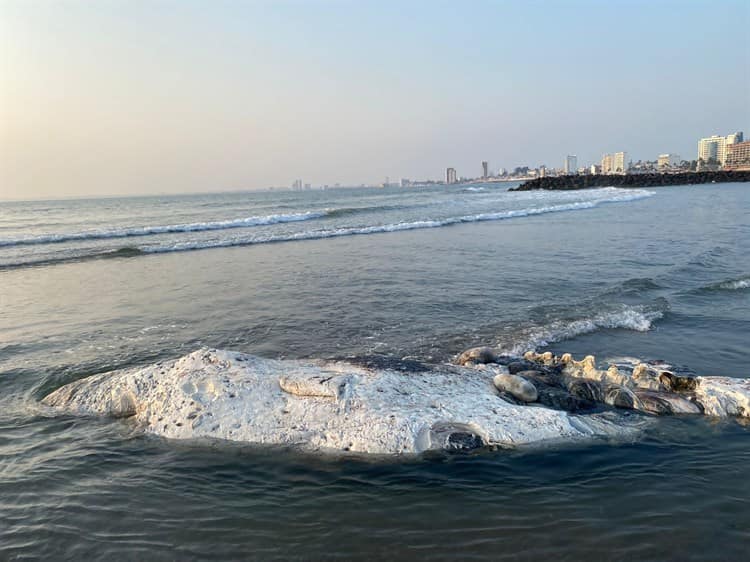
[604,196]
[402,226]
[731,285]
[636,318]
[163,229]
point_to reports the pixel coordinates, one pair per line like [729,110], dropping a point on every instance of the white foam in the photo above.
[164,229]
[735,285]
[628,318]
[608,197]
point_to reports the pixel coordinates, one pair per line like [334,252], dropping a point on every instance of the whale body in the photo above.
[335,405]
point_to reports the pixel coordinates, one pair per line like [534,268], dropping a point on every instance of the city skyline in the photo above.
[134,98]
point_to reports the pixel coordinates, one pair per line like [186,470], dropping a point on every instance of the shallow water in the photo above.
[421,273]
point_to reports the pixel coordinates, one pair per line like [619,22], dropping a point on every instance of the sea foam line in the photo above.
[164,229]
[629,318]
[397,227]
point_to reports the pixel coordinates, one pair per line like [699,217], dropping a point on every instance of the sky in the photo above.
[108,97]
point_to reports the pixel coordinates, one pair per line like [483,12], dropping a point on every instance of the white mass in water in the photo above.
[342,406]
[325,405]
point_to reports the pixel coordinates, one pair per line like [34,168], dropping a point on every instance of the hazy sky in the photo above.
[117,97]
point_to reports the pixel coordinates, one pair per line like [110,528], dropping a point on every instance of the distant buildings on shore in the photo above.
[668,161]
[571,164]
[730,152]
[738,156]
[450,176]
[712,151]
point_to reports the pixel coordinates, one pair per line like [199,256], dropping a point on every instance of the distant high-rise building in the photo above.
[485,171]
[713,149]
[616,163]
[596,169]
[668,161]
[571,164]
[620,162]
[450,175]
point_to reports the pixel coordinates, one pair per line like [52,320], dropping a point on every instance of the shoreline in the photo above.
[563,183]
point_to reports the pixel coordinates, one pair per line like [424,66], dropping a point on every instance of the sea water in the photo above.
[93,285]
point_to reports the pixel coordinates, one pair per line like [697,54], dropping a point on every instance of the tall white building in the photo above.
[450,175]
[620,162]
[714,148]
[571,164]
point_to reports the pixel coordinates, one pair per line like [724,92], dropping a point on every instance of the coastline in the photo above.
[561,183]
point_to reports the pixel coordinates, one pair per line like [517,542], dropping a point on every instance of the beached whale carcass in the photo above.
[328,405]
[562,382]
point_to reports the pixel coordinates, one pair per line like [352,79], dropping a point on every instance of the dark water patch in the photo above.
[385,362]
[635,286]
[124,252]
[347,211]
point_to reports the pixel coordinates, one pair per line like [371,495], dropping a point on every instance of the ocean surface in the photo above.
[88,286]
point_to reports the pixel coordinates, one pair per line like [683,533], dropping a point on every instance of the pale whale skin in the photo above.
[335,406]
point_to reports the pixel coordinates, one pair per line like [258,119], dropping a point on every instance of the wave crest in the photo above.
[402,226]
[636,318]
[163,229]
[733,284]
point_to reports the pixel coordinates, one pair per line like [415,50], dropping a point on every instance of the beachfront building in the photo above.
[616,163]
[485,170]
[713,149]
[571,164]
[620,162]
[738,156]
[668,161]
[450,175]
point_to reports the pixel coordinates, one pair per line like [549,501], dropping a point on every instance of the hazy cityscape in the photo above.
[717,152]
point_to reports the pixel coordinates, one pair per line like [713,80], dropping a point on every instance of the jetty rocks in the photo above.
[569,182]
[344,405]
